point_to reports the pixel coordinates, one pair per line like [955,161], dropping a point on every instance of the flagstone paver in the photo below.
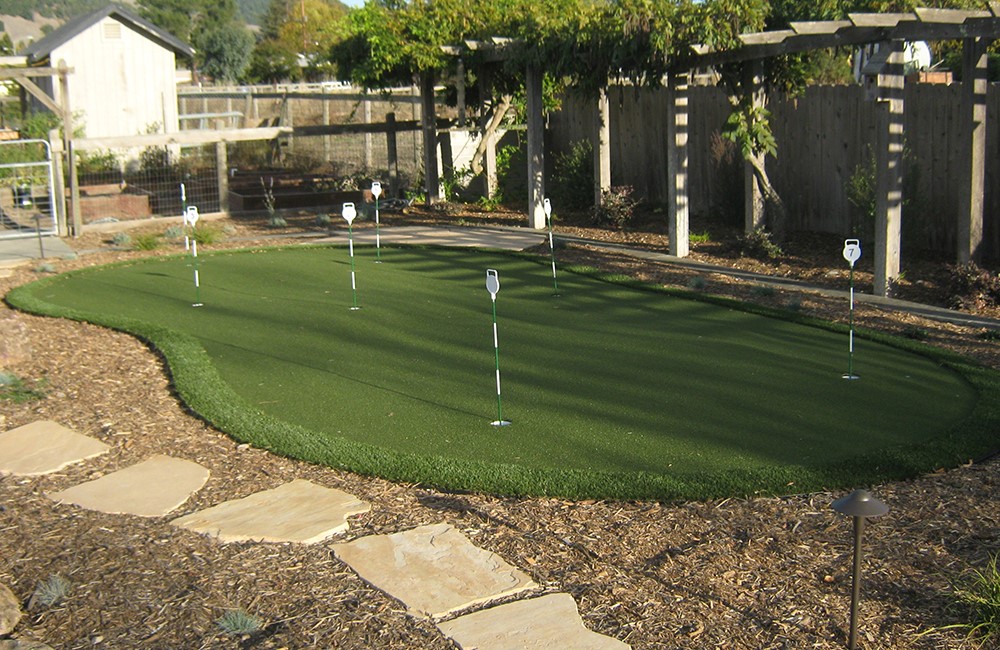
[433,570]
[151,488]
[551,621]
[10,610]
[44,447]
[298,511]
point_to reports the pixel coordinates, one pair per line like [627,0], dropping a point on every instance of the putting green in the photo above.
[612,391]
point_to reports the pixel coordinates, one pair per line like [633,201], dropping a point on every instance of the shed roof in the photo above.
[43,47]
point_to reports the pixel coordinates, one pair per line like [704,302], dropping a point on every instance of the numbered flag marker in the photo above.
[493,286]
[852,253]
[349,213]
[547,205]
[377,192]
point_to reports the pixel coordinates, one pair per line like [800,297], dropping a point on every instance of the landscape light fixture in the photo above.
[552,249]
[377,192]
[852,253]
[349,213]
[493,286]
[191,218]
[860,505]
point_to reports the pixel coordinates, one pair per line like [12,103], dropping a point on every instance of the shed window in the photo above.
[113,30]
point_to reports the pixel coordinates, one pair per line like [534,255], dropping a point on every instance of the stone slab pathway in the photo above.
[44,447]
[298,511]
[434,570]
[551,621]
[151,488]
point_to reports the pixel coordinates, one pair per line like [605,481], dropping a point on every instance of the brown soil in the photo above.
[737,573]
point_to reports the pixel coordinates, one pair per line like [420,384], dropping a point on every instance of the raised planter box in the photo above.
[285,199]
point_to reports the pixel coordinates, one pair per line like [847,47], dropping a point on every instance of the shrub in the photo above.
[49,592]
[173,232]
[146,242]
[697,283]
[617,207]
[989,335]
[978,593]
[204,234]
[971,287]
[699,237]
[323,220]
[122,239]
[237,622]
[572,186]
[758,244]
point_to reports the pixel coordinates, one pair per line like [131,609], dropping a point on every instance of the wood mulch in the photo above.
[767,572]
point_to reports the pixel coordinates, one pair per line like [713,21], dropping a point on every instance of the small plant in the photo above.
[699,237]
[204,234]
[173,232]
[14,389]
[971,287]
[323,220]
[989,335]
[616,209]
[758,244]
[122,240]
[762,290]
[49,592]
[45,267]
[273,219]
[146,242]
[489,205]
[237,622]
[915,333]
[697,283]
[794,304]
[978,593]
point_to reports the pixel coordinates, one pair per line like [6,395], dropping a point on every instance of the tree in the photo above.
[226,52]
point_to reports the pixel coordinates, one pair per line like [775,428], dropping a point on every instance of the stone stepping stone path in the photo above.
[434,570]
[44,447]
[299,511]
[151,488]
[551,621]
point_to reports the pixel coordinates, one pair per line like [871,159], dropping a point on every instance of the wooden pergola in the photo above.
[883,77]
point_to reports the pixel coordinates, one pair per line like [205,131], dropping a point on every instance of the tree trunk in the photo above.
[495,120]
[774,206]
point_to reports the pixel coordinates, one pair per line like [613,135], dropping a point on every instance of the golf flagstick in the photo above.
[376,192]
[191,217]
[552,248]
[349,213]
[852,253]
[493,286]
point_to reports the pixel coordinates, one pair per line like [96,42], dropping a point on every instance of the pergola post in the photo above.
[602,146]
[428,124]
[74,181]
[677,163]
[970,213]
[889,170]
[536,149]
[753,198]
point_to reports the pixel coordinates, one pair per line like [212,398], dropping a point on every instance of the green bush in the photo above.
[758,244]
[572,186]
[977,593]
[146,242]
[617,208]
[122,239]
[205,234]
[972,287]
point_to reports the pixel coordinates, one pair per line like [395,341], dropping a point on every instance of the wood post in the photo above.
[392,154]
[428,120]
[367,107]
[74,183]
[970,213]
[536,149]
[889,171]
[602,146]
[222,174]
[677,164]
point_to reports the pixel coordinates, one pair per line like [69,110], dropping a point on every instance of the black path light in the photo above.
[859,504]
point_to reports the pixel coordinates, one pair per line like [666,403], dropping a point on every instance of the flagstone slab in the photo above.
[299,511]
[551,621]
[44,447]
[151,488]
[433,570]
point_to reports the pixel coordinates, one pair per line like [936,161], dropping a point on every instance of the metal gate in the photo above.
[26,189]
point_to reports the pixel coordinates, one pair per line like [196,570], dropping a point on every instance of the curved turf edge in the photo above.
[201,388]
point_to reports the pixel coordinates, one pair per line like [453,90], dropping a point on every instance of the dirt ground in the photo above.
[754,573]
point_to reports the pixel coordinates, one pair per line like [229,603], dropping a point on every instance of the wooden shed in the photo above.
[125,72]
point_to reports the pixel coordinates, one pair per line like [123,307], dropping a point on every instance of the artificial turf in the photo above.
[612,390]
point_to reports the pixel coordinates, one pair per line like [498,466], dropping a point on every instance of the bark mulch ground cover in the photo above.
[760,572]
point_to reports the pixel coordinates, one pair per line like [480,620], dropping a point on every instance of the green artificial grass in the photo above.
[614,390]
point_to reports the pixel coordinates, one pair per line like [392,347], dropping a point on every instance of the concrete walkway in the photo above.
[22,250]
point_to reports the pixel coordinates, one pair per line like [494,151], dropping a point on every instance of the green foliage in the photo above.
[146,241]
[272,62]
[700,237]
[697,283]
[49,593]
[97,162]
[750,128]
[173,232]
[572,185]
[323,220]
[616,209]
[237,622]
[977,596]
[15,389]
[989,335]
[206,234]
[226,52]
[758,244]
[64,9]
[122,239]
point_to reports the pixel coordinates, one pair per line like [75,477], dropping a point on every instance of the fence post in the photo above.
[975,82]
[392,155]
[428,118]
[677,163]
[58,183]
[368,136]
[222,174]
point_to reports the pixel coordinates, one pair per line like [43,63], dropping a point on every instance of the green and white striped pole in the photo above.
[191,217]
[552,248]
[493,286]
[377,192]
[184,206]
[852,253]
[349,213]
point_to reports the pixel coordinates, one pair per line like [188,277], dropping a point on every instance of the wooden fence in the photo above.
[823,137]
